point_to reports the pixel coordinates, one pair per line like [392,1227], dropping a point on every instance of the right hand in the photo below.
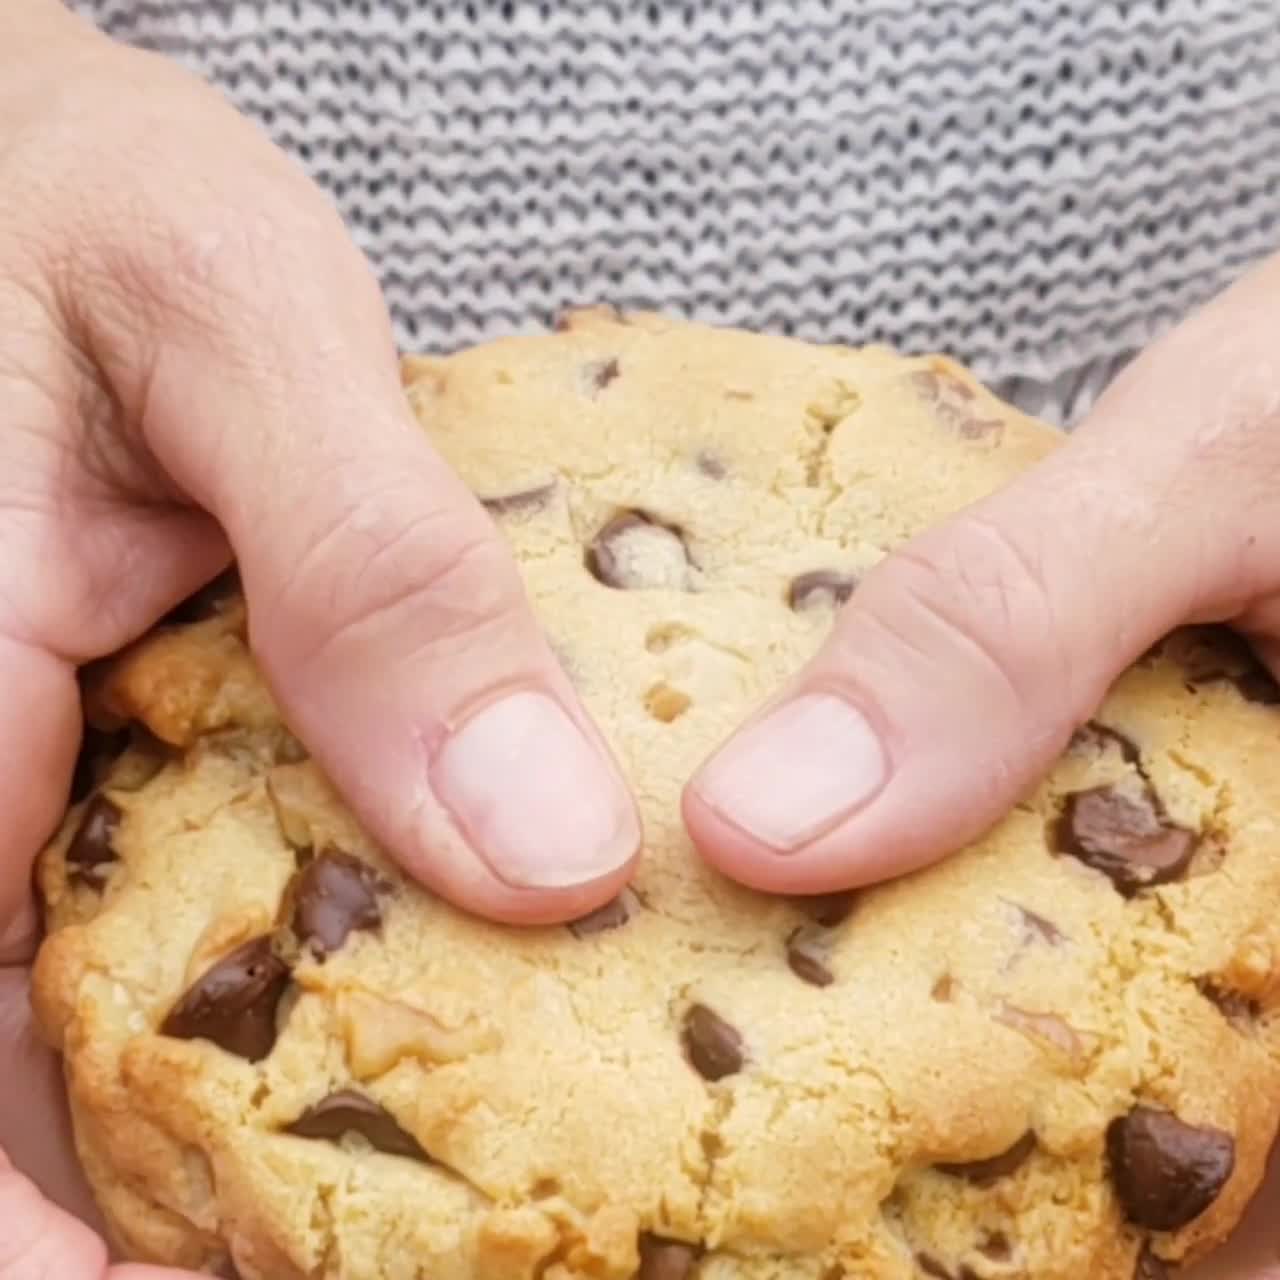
[195,364]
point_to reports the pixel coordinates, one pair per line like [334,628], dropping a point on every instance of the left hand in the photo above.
[958,671]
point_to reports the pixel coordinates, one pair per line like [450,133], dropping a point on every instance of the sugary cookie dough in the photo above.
[1055,1056]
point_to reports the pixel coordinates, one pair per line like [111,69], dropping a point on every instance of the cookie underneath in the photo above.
[1056,1055]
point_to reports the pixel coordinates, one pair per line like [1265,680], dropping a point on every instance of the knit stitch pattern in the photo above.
[1038,187]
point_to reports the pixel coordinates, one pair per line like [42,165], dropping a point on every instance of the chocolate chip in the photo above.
[1125,837]
[662,1259]
[827,909]
[981,1172]
[1215,655]
[522,502]
[713,1046]
[954,405]
[234,1003]
[633,551]
[1241,1012]
[91,851]
[1095,738]
[1257,685]
[1149,1267]
[1166,1173]
[711,465]
[350,1112]
[597,374]
[333,896]
[820,587]
[1035,928]
[612,915]
[807,956]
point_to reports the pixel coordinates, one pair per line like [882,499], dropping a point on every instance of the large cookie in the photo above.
[1056,1055]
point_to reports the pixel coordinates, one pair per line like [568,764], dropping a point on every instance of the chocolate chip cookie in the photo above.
[1056,1055]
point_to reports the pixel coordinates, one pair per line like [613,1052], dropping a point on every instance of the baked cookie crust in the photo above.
[1055,1055]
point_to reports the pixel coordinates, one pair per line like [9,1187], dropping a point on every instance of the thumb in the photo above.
[960,667]
[384,607]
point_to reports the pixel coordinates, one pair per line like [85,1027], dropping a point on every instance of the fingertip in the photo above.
[522,817]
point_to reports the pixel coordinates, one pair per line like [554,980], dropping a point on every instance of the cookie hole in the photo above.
[666,636]
[666,704]
[995,1247]
[545,1189]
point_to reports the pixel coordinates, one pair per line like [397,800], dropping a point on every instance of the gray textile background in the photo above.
[1038,186]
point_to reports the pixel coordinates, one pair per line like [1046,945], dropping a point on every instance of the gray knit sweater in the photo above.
[1037,186]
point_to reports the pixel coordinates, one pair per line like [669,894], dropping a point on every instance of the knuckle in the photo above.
[973,590]
[439,578]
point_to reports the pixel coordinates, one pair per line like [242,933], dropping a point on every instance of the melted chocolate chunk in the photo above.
[1095,736]
[234,1003]
[828,909]
[1218,655]
[1149,1267]
[713,1047]
[1035,928]
[1126,838]
[981,1172]
[333,896]
[612,915]
[711,465]
[1241,1012]
[90,851]
[350,1112]
[633,551]
[521,502]
[807,957]
[1167,1173]
[597,374]
[823,587]
[662,1259]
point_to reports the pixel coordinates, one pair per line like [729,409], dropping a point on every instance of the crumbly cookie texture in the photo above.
[1055,1055]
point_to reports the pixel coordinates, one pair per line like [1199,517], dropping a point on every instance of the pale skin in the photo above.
[195,365]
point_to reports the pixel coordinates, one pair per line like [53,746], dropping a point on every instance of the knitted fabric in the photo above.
[1036,186]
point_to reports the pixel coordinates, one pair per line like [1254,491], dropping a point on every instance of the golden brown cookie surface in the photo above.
[1057,1055]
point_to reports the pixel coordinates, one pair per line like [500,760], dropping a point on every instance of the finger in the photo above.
[958,670]
[40,1241]
[35,1125]
[39,703]
[384,607]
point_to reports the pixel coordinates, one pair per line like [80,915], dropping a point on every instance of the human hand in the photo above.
[960,667]
[195,363]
